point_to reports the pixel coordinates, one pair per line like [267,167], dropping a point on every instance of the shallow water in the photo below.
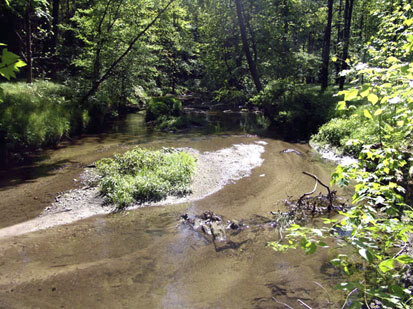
[143,258]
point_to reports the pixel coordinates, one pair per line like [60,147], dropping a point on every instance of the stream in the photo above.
[143,258]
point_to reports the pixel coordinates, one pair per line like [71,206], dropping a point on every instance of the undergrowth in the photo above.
[34,115]
[295,110]
[142,175]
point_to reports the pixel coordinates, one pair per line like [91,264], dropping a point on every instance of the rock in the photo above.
[289,150]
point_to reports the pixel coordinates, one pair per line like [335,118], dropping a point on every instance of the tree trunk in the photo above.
[310,47]
[339,39]
[251,64]
[29,56]
[326,48]
[55,29]
[348,11]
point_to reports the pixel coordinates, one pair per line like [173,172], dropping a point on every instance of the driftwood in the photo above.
[330,197]
[306,207]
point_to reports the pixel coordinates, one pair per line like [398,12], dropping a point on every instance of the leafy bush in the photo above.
[34,115]
[166,114]
[296,111]
[230,96]
[142,175]
[163,106]
[346,135]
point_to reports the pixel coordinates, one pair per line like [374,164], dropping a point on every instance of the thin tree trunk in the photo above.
[339,39]
[251,64]
[326,48]
[29,57]
[348,11]
[96,84]
[55,29]
[310,44]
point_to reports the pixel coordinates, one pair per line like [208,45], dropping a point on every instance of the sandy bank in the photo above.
[214,171]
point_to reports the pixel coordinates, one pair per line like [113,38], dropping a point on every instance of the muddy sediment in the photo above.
[214,170]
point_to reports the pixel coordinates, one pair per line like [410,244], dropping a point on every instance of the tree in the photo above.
[348,11]
[251,64]
[326,47]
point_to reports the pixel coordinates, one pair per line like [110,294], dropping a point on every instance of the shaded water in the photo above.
[143,258]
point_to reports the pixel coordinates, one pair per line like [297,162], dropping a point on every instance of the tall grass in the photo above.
[35,115]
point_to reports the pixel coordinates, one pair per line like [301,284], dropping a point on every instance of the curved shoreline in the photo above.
[214,171]
[327,152]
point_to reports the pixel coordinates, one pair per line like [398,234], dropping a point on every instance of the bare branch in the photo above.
[306,194]
[328,294]
[278,302]
[330,197]
[304,304]
[348,295]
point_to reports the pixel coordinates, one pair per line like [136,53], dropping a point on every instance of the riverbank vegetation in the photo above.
[142,175]
[294,61]
[375,235]
[274,57]
[36,115]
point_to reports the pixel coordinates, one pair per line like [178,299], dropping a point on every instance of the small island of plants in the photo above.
[142,175]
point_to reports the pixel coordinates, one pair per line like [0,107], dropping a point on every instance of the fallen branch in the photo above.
[330,197]
[300,200]
[278,302]
[348,296]
[328,294]
[304,304]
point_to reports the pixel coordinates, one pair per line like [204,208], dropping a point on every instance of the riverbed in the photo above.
[143,258]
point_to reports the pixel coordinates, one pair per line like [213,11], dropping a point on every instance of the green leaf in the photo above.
[350,94]
[366,255]
[373,99]
[341,105]
[378,112]
[365,92]
[392,60]
[367,114]
[9,64]
[386,265]
[405,259]
[408,22]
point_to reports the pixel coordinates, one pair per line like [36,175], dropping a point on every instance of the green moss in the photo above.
[142,175]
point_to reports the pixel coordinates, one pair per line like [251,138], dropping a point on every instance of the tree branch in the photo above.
[330,197]
[120,58]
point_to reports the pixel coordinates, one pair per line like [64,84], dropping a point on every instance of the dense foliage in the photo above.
[142,175]
[269,55]
[34,115]
[378,228]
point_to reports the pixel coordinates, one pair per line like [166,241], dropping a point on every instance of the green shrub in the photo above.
[33,115]
[295,110]
[142,175]
[230,96]
[347,135]
[163,106]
